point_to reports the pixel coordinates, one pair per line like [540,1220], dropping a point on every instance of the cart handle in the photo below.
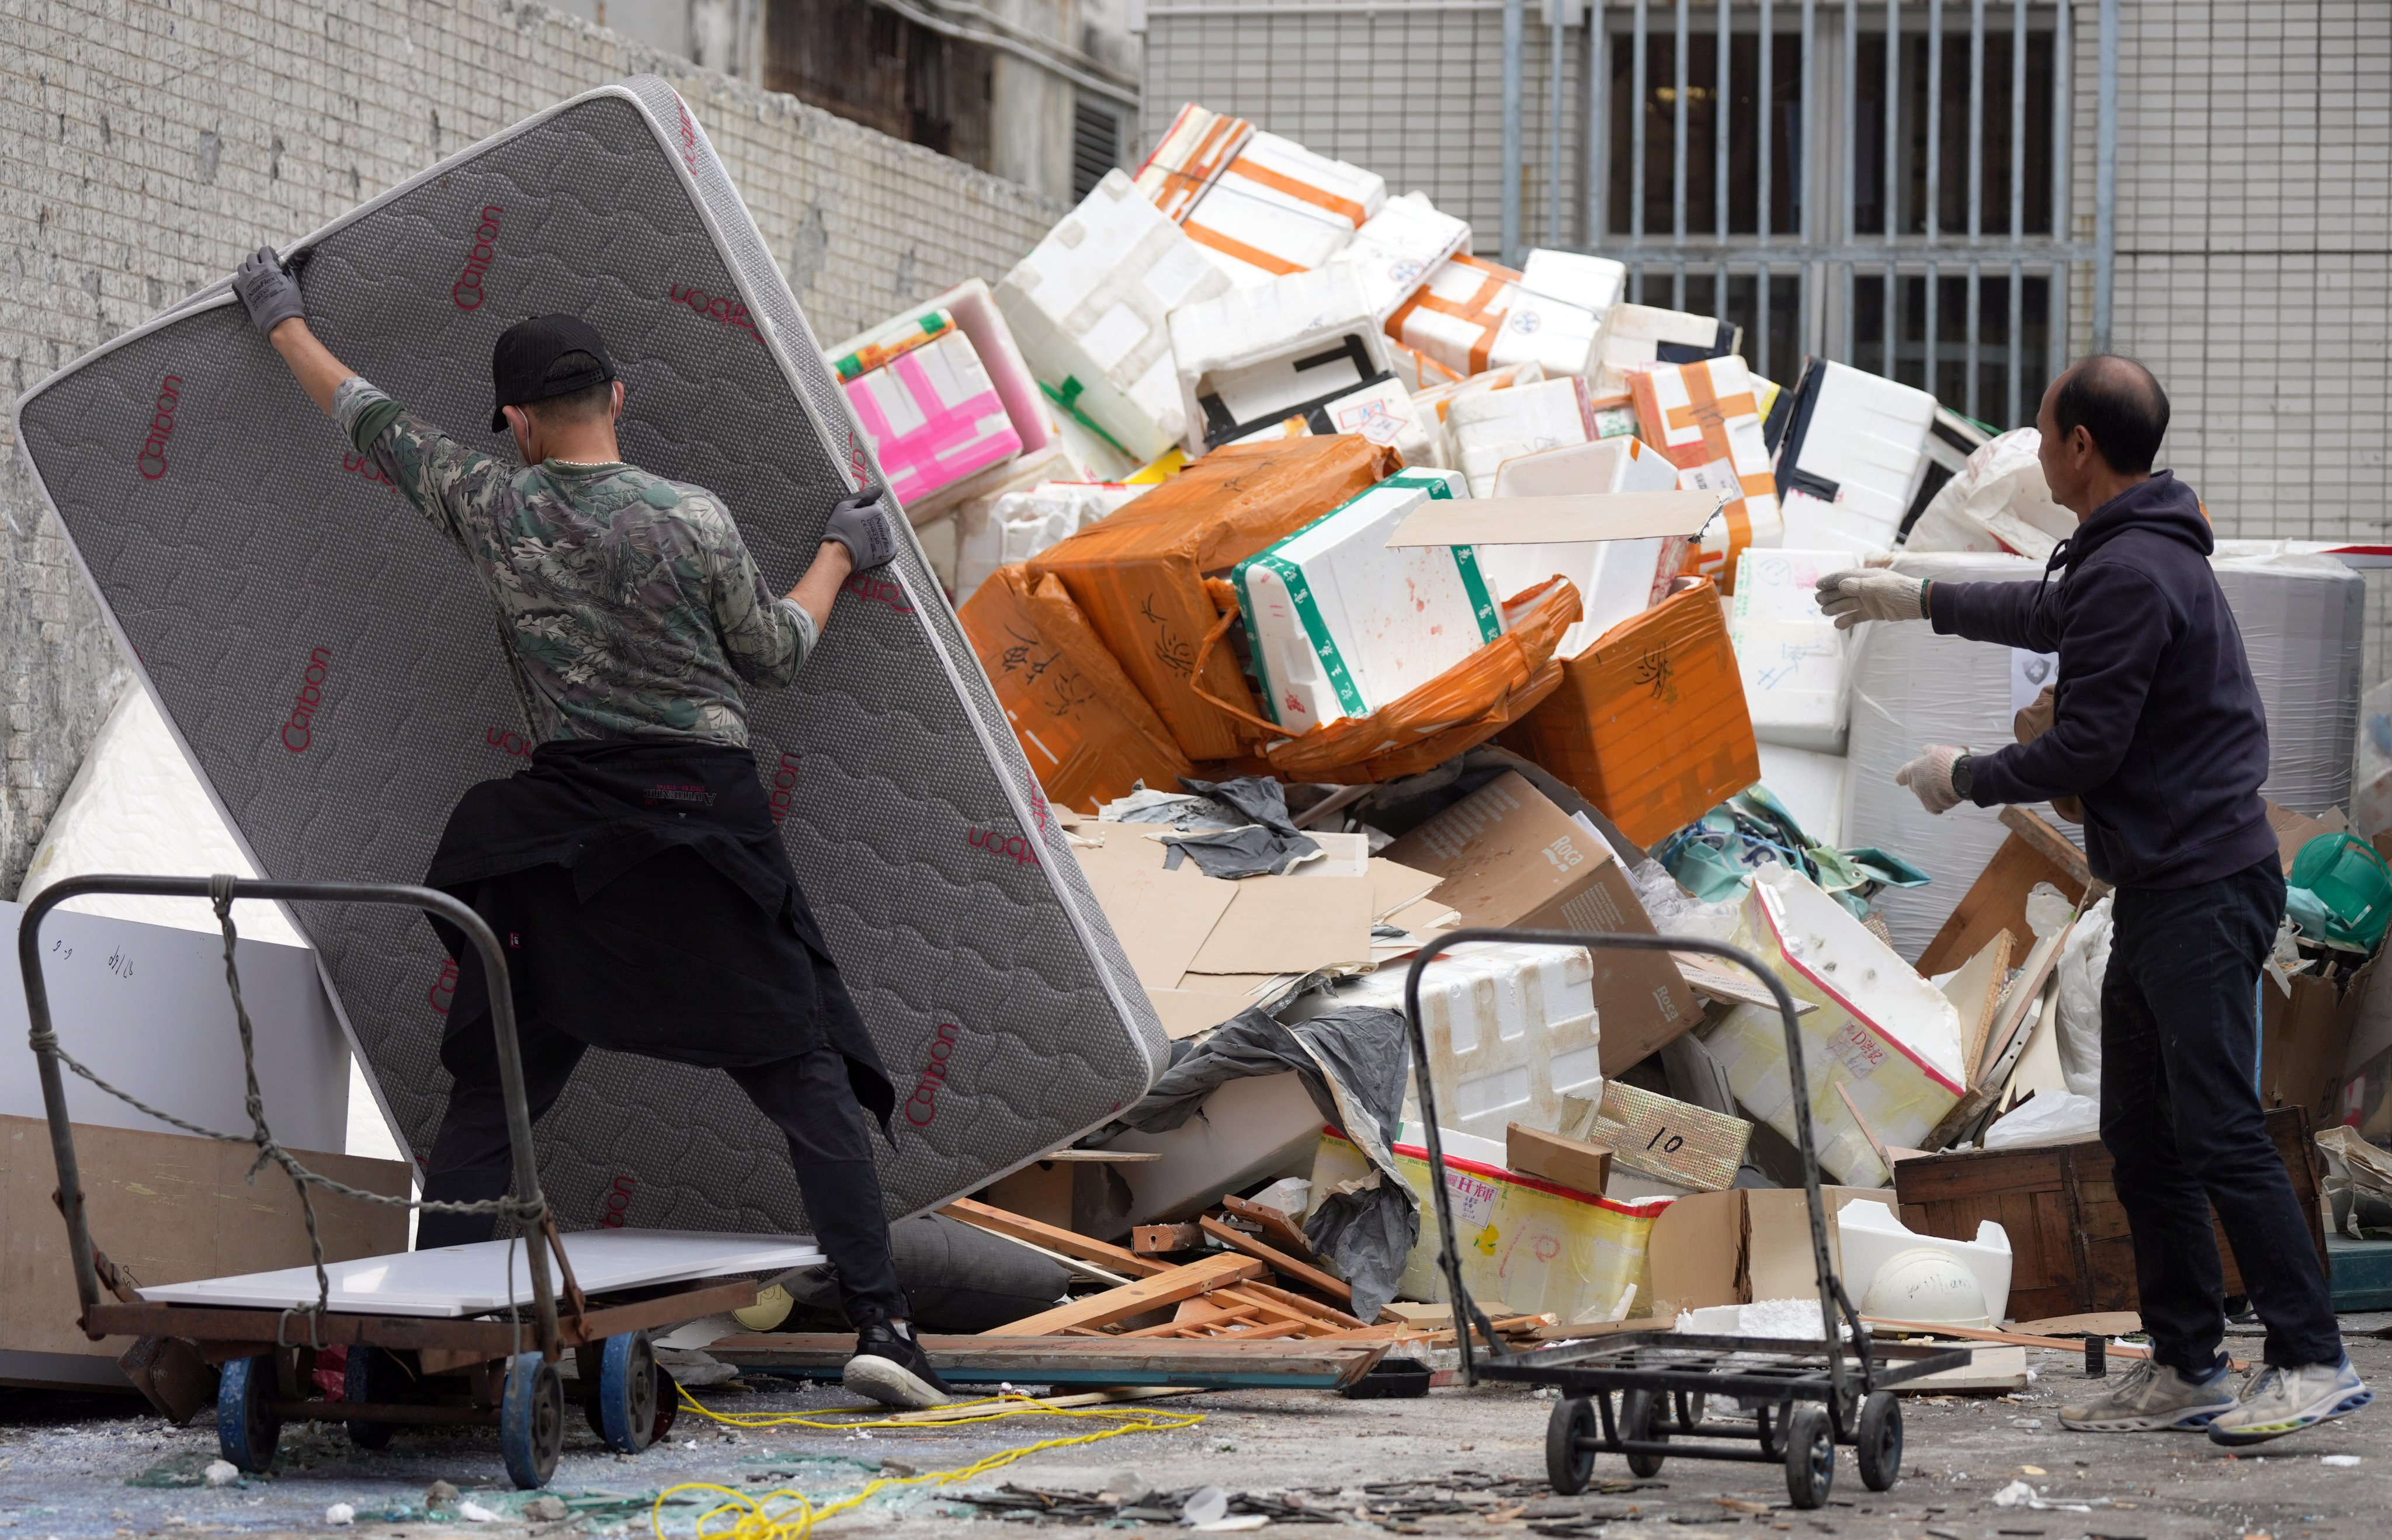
[1831,1287]
[45,1043]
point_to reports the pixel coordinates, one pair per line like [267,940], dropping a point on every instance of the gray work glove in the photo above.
[268,292]
[862,525]
[1858,594]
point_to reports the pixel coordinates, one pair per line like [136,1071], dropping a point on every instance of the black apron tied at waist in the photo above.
[647,905]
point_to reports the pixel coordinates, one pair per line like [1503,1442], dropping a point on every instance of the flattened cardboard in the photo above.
[1162,917]
[1735,1247]
[1510,857]
[1289,924]
[1564,518]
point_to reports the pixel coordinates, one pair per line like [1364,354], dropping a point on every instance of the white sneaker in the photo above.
[2275,1402]
[2153,1397]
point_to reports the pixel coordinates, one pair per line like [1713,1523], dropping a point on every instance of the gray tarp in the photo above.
[1354,1061]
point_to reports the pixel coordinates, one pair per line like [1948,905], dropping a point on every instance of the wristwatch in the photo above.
[1964,779]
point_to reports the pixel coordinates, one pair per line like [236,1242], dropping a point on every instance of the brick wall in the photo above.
[149,145]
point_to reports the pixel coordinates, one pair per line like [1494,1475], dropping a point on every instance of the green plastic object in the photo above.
[2351,885]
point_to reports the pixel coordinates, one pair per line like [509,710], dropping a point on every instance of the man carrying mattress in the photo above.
[2158,727]
[633,872]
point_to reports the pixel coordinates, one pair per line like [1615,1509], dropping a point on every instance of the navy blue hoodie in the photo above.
[2158,726]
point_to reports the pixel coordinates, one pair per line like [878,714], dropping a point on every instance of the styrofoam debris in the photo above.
[340,1513]
[222,1473]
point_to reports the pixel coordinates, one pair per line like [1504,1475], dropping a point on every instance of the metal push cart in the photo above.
[1804,1397]
[493,1371]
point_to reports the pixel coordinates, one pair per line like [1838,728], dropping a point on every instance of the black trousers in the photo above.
[809,1095]
[2181,1117]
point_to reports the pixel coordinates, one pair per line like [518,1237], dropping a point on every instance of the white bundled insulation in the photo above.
[1852,457]
[1018,526]
[1089,308]
[1512,1030]
[1395,251]
[1797,667]
[1616,579]
[2304,622]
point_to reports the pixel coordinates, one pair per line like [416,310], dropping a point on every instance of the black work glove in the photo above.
[268,292]
[862,525]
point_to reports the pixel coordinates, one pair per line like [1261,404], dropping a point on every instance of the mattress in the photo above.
[328,662]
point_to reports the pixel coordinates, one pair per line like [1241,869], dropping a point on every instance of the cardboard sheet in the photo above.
[1289,925]
[1162,917]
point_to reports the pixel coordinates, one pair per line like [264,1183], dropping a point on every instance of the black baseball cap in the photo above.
[527,350]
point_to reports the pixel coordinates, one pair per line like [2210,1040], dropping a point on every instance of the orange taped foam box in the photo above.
[1706,417]
[1088,733]
[1637,335]
[1474,315]
[1649,723]
[1279,209]
[1189,158]
[1139,577]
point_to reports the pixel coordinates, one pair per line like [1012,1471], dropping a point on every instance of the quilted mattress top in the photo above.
[331,664]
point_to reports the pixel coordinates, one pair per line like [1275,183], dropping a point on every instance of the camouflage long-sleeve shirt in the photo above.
[627,604]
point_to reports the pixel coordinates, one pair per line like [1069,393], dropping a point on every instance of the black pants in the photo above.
[2181,1117]
[809,1096]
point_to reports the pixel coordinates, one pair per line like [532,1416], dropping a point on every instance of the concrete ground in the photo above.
[1460,1462]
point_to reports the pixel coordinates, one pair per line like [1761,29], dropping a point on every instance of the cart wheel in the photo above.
[1810,1456]
[1693,1406]
[531,1419]
[1644,1418]
[627,1393]
[246,1431]
[668,1403]
[371,1377]
[1570,1464]
[1880,1443]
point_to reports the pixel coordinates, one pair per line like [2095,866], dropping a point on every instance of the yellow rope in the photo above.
[754,1517]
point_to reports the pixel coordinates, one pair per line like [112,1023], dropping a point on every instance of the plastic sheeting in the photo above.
[2304,621]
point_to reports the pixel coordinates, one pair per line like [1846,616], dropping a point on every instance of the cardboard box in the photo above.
[1706,418]
[1650,723]
[170,1209]
[1573,1163]
[1509,857]
[1139,577]
[1735,1247]
[2305,1041]
[1663,1138]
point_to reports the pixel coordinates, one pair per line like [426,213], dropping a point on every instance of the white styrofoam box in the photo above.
[1089,307]
[1705,416]
[1339,625]
[1263,1125]
[1255,355]
[1512,1030]
[1616,579]
[1486,428]
[1191,156]
[1472,316]
[1811,785]
[146,1007]
[1996,502]
[1593,284]
[1634,334]
[933,418]
[1017,525]
[1393,255]
[1383,412]
[1852,459]
[1870,1236]
[1886,1037]
[972,307]
[1280,208]
[1797,667]
[1910,688]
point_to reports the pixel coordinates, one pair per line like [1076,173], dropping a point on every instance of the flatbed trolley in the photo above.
[493,1371]
[1804,1397]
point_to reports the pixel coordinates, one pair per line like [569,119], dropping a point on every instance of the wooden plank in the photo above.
[1053,1237]
[1976,992]
[2055,848]
[1184,1323]
[1280,1261]
[1996,902]
[981,1360]
[1296,1304]
[1281,1228]
[1113,1305]
[1154,1240]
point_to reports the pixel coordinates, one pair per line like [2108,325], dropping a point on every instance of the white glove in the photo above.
[1856,594]
[1930,776]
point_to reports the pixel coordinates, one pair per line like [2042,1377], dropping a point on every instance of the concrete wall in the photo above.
[149,145]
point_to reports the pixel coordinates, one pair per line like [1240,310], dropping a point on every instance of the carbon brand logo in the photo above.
[878,590]
[467,290]
[722,309]
[785,786]
[153,458]
[618,1203]
[443,992]
[1022,853]
[507,743]
[298,730]
[922,1106]
[688,133]
[363,465]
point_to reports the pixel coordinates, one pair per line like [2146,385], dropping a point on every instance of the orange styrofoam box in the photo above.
[1138,576]
[1649,723]
[1089,735]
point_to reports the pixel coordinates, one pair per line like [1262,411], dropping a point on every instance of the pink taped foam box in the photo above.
[934,417]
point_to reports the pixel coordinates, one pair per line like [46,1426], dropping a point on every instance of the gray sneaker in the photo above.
[2276,1401]
[2153,1397]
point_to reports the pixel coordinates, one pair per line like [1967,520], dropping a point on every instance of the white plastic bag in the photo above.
[2084,963]
[2048,1118]
[1998,502]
